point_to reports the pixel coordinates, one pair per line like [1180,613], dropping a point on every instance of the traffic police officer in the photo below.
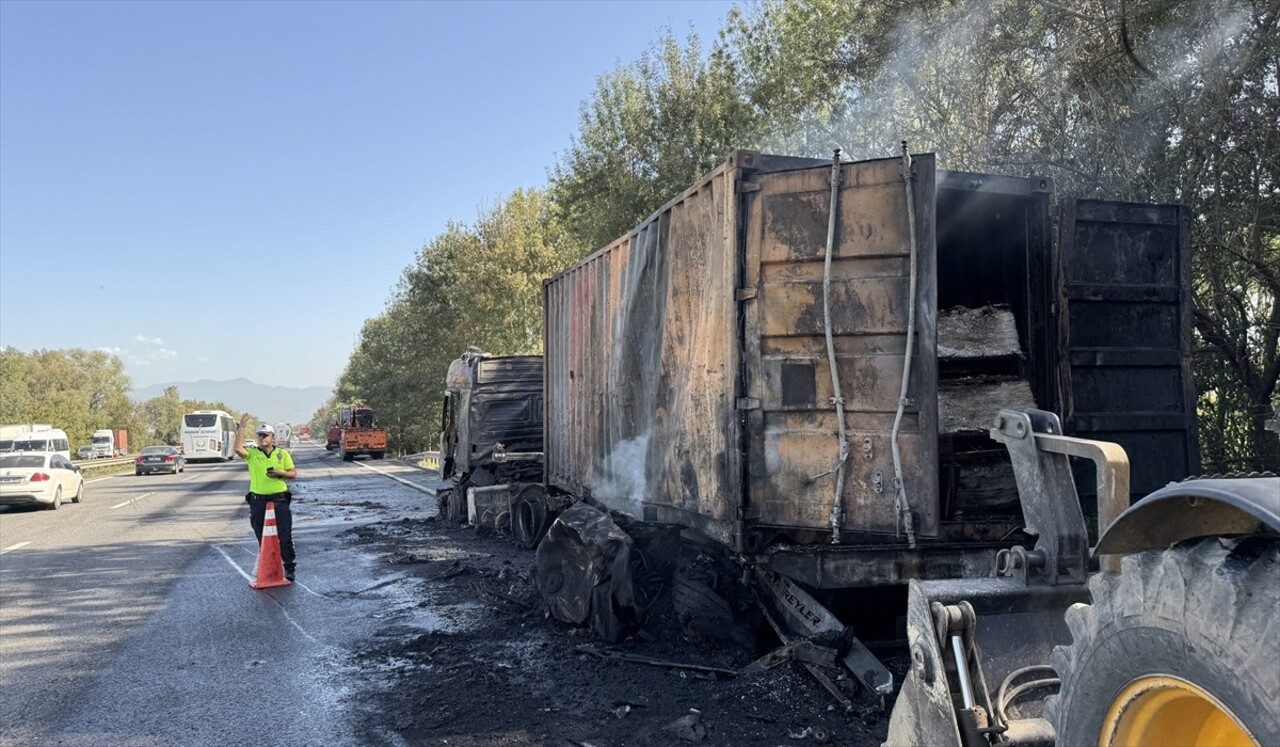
[269,467]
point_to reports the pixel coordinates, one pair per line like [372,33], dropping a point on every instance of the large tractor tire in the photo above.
[1182,647]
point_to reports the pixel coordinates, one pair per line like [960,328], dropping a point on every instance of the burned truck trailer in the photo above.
[850,376]
[689,375]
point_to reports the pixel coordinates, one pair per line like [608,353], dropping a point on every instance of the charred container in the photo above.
[491,419]
[688,378]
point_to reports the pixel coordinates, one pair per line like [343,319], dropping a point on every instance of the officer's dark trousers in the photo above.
[284,524]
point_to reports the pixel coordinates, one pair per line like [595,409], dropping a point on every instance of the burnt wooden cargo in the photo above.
[686,363]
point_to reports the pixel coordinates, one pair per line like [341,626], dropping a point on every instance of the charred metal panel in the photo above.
[523,371]
[498,401]
[826,566]
[505,407]
[1124,272]
[642,360]
[795,439]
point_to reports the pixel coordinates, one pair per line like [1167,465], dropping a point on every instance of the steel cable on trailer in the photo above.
[900,503]
[837,508]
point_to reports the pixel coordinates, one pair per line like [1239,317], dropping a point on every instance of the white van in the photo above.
[52,440]
[9,432]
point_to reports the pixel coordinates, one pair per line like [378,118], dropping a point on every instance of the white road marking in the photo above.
[132,500]
[308,636]
[308,589]
[234,564]
[189,479]
[283,611]
[14,547]
[413,485]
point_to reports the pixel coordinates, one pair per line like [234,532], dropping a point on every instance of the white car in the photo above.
[42,479]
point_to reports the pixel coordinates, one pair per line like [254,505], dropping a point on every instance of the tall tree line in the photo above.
[80,391]
[1147,100]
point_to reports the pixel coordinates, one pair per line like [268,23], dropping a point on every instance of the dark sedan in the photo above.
[159,459]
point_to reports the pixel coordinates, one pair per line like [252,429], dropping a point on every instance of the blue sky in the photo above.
[225,189]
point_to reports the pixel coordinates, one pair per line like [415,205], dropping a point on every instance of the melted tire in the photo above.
[455,510]
[699,608]
[529,518]
[1198,612]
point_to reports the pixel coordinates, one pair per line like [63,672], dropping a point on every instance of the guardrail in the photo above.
[82,463]
[100,467]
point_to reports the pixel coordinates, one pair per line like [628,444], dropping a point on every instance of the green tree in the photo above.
[15,394]
[162,418]
[76,390]
[477,284]
[649,130]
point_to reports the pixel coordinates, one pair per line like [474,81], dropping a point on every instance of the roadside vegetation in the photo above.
[1145,100]
[81,391]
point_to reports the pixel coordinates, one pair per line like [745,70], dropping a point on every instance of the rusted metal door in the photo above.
[1125,331]
[791,419]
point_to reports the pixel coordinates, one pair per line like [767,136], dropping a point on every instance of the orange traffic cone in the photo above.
[270,567]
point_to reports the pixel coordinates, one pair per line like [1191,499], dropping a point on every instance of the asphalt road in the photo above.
[127,619]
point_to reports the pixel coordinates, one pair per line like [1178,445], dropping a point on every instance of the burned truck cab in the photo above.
[491,419]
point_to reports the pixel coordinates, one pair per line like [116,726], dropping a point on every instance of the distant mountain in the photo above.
[277,404]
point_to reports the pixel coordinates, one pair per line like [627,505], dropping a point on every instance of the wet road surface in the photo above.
[127,619]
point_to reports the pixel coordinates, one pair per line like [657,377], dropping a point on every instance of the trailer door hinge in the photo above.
[745,186]
[748,403]
[743,294]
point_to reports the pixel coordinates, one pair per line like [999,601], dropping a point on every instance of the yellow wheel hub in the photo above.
[1164,711]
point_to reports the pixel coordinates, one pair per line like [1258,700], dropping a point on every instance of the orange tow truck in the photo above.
[358,434]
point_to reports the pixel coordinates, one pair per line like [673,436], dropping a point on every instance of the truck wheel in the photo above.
[455,507]
[1177,648]
[529,519]
[442,503]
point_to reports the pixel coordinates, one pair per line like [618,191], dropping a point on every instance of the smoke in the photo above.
[927,70]
[621,482]
[1024,88]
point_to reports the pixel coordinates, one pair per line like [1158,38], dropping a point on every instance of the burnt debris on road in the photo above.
[493,668]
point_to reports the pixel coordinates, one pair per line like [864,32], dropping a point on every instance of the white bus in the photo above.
[208,434]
